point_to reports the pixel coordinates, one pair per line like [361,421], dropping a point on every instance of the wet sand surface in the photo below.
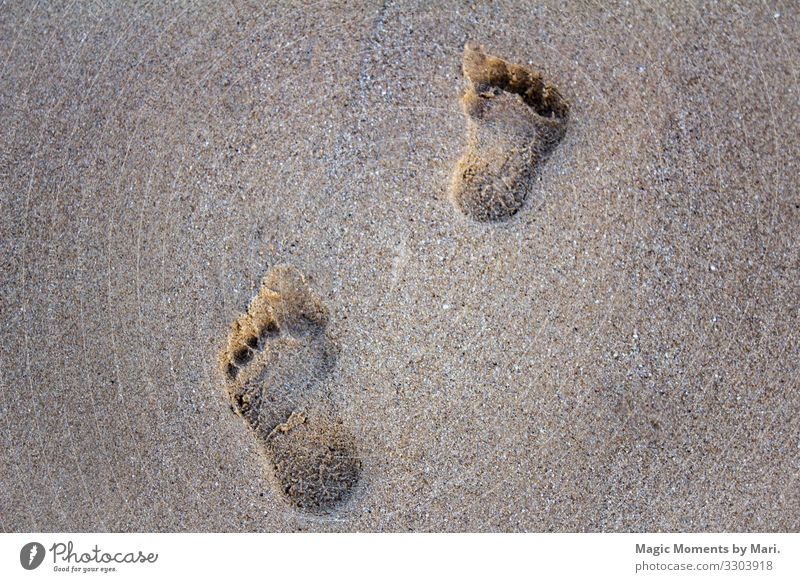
[620,355]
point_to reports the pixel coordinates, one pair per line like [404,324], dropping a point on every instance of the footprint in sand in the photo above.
[514,119]
[276,354]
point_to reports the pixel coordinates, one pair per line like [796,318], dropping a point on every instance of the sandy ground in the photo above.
[621,355]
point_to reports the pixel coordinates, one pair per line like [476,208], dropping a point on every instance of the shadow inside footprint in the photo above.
[514,119]
[314,461]
[276,355]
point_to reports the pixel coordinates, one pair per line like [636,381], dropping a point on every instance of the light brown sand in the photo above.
[620,355]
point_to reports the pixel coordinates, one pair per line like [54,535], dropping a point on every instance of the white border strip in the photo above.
[490,557]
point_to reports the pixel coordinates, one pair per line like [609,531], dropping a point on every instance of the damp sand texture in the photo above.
[607,344]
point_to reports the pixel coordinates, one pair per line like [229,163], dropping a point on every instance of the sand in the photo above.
[621,354]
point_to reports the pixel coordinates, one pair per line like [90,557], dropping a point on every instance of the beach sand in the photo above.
[619,355]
